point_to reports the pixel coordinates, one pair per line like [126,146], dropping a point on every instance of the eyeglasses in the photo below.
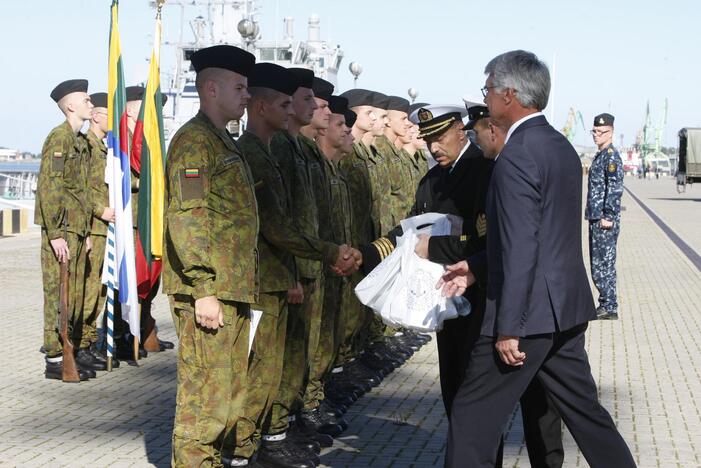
[599,132]
[486,89]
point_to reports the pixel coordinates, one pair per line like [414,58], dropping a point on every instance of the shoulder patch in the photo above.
[230,160]
[612,167]
[57,162]
[610,150]
[192,184]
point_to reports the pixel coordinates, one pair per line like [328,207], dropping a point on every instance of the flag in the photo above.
[118,176]
[147,159]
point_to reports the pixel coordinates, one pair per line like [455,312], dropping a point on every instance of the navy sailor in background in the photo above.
[604,214]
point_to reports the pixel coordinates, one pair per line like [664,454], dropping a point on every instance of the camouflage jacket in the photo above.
[365,208]
[99,189]
[211,216]
[297,176]
[278,230]
[342,214]
[400,180]
[320,183]
[414,173]
[278,271]
[378,169]
[605,186]
[422,160]
[62,188]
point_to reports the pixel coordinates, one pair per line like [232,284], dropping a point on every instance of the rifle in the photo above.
[69,369]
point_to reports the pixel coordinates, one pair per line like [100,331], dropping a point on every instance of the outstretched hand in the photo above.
[456,279]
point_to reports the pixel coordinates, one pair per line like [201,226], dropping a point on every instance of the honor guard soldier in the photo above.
[210,266]
[63,212]
[101,216]
[603,211]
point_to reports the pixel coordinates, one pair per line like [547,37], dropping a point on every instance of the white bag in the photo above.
[402,288]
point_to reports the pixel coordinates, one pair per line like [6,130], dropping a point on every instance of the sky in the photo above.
[604,56]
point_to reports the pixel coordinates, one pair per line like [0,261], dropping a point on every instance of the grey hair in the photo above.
[523,72]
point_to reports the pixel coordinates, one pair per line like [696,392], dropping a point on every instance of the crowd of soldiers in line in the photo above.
[263,223]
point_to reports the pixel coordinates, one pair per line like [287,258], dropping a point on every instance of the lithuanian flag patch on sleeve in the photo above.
[192,172]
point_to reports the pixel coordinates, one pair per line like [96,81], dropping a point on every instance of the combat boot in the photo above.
[358,370]
[101,355]
[603,314]
[301,440]
[332,409]
[280,456]
[85,359]
[324,440]
[228,460]
[312,419]
[54,370]
[287,444]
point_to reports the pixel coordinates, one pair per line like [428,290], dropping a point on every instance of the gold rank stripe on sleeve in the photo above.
[380,249]
[481,225]
[384,246]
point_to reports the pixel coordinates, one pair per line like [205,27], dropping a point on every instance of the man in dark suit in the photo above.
[538,296]
[457,185]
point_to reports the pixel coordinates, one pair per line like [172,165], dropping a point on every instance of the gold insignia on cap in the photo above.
[601,120]
[481,225]
[612,167]
[425,115]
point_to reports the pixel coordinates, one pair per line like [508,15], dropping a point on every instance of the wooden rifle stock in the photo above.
[69,369]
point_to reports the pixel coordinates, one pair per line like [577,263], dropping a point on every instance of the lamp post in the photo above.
[413,94]
[356,69]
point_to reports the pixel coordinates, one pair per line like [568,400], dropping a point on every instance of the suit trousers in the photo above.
[490,390]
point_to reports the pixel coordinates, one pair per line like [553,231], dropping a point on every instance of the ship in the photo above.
[236,22]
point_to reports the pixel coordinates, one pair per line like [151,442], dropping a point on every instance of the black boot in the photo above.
[280,456]
[101,355]
[165,344]
[332,409]
[86,360]
[54,370]
[324,440]
[296,450]
[312,419]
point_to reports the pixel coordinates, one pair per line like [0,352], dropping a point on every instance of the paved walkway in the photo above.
[644,364]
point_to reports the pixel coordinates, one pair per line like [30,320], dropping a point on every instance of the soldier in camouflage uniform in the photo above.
[603,211]
[315,414]
[396,131]
[102,215]
[62,199]
[210,266]
[280,240]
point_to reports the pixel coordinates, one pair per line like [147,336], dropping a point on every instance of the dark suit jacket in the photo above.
[537,282]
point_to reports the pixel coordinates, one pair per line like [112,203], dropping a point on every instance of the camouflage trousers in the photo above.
[51,278]
[95,291]
[301,319]
[321,359]
[602,252]
[264,370]
[351,318]
[211,382]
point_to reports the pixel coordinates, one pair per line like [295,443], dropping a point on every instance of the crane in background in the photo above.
[570,128]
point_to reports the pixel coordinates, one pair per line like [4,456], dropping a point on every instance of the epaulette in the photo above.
[383,246]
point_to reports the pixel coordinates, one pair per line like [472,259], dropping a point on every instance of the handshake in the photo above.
[348,260]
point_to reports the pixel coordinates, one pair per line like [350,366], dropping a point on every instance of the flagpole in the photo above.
[110,296]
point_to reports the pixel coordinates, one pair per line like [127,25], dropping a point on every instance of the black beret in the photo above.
[397,103]
[322,89]
[304,76]
[68,87]
[223,56]
[603,120]
[338,105]
[99,99]
[379,100]
[358,97]
[350,118]
[475,113]
[135,93]
[271,76]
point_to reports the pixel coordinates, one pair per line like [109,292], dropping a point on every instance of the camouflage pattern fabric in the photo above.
[211,236]
[211,391]
[400,180]
[320,183]
[381,186]
[365,211]
[51,279]
[604,202]
[95,291]
[264,371]
[350,321]
[211,225]
[297,176]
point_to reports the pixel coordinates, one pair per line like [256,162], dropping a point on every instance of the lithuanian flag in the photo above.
[148,159]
